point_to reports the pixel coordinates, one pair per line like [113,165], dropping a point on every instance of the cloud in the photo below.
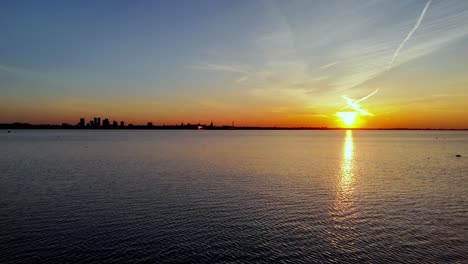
[367,58]
[244,74]
[220,67]
[329,65]
[290,57]
[320,115]
[279,109]
[12,69]
[24,72]
[450,95]
[242,79]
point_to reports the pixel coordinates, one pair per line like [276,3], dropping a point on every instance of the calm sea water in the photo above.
[233,196]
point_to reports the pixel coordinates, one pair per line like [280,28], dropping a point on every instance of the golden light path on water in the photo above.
[344,213]
[347,163]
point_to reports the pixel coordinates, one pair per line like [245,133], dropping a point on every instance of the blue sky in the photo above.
[278,61]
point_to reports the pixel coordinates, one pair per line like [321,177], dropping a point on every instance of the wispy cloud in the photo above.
[320,115]
[219,67]
[280,109]
[449,95]
[19,71]
[402,44]
[244,73]
[26,73]
[371,56]
[292,60]
[242,79]
[329,65]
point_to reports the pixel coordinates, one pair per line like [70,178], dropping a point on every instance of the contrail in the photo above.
[410,33]
[367,96]
[354,104]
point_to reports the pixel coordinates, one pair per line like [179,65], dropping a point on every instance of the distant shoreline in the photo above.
[22,126]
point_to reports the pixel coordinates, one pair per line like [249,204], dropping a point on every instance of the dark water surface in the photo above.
[233,196]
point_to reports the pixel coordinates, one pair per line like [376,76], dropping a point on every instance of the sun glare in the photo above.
[348,118]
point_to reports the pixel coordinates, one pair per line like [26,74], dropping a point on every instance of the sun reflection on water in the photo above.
[347,163]
[344,210]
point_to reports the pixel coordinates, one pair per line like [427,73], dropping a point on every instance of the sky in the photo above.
[262,63]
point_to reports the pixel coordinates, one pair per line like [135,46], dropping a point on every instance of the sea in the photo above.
[233,196]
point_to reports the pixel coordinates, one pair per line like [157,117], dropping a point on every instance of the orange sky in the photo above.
[440,114]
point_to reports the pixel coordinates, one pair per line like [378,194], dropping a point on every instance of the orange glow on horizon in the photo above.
[391,116]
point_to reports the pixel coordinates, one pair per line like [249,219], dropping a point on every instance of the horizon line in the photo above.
[188,126]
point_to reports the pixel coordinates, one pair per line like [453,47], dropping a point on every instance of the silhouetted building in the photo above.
[91,123]
[150,124]
[97,121]
[115,124]
[105,123]
[122,123]
[82,122]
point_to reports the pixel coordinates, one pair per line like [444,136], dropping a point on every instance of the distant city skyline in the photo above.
[257,63]
[106,123]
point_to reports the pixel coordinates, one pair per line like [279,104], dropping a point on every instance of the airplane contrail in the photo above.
[410,33]
[354,104]
[355,107]
[367,96]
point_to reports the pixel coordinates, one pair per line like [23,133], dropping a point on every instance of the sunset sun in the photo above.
[348,118]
